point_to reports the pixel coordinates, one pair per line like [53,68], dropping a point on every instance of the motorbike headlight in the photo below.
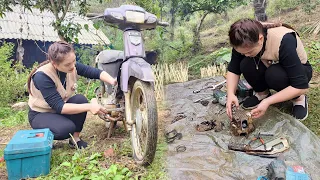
[135,17]
[151,20]
[117,15]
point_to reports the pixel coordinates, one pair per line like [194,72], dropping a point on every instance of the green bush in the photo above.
[85,166]
[276,7]
[9,117]
[198,62]
[115,36]
[222,56]
[86,87]
[87,54]
[12,79]
[309,5]
[170,51]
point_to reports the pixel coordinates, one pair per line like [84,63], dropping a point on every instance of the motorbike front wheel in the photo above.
[144,133]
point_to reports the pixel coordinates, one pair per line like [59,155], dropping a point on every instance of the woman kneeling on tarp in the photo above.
[270,56]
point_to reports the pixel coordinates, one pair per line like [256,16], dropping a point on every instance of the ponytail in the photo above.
[278,24]
[33,71]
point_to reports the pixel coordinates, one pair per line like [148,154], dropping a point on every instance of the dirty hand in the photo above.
[113,82]
[97,109]
[260,110]
[105,77]
[231,99]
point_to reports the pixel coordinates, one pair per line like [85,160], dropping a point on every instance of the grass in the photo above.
[156,169]
[313,120]
[9,117]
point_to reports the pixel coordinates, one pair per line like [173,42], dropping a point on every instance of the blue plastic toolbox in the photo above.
[28,154]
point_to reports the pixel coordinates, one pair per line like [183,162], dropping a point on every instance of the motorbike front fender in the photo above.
[138,68]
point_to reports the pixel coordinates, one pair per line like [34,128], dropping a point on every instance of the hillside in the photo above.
[216,37]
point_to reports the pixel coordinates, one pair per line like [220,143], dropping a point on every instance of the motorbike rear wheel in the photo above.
[144,133]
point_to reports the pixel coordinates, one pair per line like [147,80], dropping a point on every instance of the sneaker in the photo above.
[300,112]
[252,102]
[81,144]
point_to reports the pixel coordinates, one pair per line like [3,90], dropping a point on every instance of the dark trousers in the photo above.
[61,124]
[274,77]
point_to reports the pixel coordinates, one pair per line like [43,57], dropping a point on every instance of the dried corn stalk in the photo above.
[158,71]
[213,70]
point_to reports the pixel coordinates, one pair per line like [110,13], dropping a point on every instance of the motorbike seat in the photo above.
[109,56]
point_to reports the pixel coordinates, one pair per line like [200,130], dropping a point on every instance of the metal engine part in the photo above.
[110,114]
[241,123]
[113,112]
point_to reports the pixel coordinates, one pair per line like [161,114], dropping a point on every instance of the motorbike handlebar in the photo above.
[164,24]
[96,17]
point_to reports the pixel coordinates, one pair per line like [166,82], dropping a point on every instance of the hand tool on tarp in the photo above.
[270,149]
[212,87]
[259,137]
[217,95]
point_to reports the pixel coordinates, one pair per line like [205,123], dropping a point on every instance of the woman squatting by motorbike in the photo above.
[52,101]
[270,56]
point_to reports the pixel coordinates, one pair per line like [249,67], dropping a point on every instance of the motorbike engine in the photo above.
[108,104]
[241,123]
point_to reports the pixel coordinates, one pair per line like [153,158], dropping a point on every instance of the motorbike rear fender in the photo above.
[110,61]
[138,68]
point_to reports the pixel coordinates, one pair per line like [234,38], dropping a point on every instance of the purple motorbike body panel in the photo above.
[133,62]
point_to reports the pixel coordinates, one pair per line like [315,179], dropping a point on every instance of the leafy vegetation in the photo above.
[204,7]
[115,35]
[12,77]
[222,56]
[83,165]
[313,51]
[9,117]
[149,5]
[277,7]
[87,54]
[156,169]
[87,87]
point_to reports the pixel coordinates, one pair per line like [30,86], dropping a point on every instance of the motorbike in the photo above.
[132,101]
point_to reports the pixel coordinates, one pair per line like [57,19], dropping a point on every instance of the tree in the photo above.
[96,7]
[205,7]
[260,10]
[67,30]
[173,9]
[151,6]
